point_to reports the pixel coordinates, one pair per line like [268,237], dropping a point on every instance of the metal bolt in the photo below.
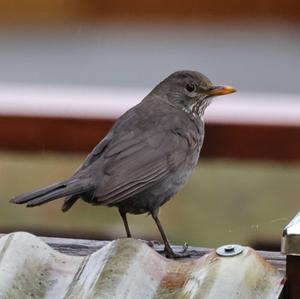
[230,250]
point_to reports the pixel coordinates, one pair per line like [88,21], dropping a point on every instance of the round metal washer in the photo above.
[230,250]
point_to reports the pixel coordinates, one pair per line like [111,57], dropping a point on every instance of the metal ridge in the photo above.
[128,268]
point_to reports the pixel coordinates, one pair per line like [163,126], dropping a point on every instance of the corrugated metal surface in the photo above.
[128,268]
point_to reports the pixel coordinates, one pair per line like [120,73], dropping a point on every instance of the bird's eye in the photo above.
[190,87]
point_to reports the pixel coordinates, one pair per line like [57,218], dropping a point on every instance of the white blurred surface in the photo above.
[111,102]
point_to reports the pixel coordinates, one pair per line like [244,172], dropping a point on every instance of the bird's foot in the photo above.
[185,247]
[169,253]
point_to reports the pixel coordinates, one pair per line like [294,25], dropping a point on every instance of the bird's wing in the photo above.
[134,164]
[95,154]
[99,149]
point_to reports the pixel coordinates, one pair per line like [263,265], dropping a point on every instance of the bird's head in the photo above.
[190,91]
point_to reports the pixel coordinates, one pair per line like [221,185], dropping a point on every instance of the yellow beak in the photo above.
[220,90]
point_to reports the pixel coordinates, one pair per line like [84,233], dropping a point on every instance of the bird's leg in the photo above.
[168,249]
[124,218]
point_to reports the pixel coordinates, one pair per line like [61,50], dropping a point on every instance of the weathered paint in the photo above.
[128,268]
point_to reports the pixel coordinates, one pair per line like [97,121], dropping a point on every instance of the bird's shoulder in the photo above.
[144,128]
[155,116]
[152,123]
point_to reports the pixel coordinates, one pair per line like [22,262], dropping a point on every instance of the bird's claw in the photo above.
[185,247]
[169,253]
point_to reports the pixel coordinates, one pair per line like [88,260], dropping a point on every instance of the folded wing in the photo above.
[135,164]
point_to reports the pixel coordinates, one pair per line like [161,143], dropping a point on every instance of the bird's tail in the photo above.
[38,197]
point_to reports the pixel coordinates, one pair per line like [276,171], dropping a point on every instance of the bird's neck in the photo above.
[197,108]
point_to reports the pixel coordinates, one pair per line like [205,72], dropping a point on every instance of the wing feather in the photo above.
[129,189]
[140,163]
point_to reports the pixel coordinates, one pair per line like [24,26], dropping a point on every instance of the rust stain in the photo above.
[173,280]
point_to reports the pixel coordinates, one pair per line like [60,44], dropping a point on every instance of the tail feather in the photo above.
[20,199]
[44,195]
[69,202]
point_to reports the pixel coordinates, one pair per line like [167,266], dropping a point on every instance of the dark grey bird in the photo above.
[147,155]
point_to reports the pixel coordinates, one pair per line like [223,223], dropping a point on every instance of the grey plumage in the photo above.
[147,155]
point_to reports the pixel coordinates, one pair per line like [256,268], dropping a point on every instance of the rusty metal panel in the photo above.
[128,268]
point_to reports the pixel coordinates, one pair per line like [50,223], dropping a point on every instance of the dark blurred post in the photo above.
[290,246]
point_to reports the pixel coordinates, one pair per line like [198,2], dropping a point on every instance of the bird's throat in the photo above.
[197,108]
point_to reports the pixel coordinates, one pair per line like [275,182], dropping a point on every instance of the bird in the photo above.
[146,157]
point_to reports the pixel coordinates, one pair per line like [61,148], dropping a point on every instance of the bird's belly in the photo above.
[159,193]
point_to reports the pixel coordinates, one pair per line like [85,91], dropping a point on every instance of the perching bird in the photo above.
[147,155]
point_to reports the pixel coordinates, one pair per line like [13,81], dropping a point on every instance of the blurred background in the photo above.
[68,69]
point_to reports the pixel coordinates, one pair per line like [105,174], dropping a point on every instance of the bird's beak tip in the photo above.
[220,90]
